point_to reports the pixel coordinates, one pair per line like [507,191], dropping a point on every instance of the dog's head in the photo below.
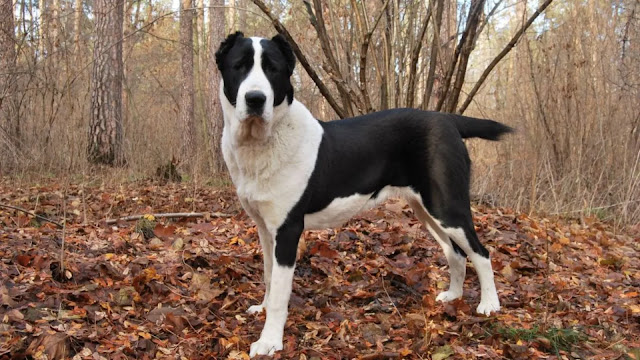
[256,86]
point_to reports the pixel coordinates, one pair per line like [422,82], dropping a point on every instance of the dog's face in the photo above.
[255,83]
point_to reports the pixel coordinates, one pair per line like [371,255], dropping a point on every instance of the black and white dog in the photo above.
[293,172]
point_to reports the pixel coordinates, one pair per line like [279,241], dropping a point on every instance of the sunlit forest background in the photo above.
[129,87]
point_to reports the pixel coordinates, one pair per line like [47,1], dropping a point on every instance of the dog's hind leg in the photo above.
[465,236]
[284,252]
[455,256]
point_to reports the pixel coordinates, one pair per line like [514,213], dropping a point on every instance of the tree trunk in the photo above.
[42,27]
[231,16]
[201,81]
[216,35]
[187,121]
[55,27]
[77,22]
[105,132]
[433,56]
[468,41]
[128,42]
[9,120]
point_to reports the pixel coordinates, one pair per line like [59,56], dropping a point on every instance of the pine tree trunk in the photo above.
[187,121]
[105,132]
[216,35]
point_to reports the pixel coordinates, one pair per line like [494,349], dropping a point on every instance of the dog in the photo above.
[293,172]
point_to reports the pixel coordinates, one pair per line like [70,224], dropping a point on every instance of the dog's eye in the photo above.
[268,66]
[239,65]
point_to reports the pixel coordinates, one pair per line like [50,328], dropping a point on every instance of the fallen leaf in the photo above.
[442,352]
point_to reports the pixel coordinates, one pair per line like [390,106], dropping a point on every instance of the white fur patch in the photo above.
[340,210]
[277,309]
[489,301]
[255,80]
[271,176]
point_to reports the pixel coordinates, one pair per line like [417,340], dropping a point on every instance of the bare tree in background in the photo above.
[132,11]
[42,27]
[187,120]
[569,82]
[216,35]
[77,21]
[105,132]
[388,49]
[9,120]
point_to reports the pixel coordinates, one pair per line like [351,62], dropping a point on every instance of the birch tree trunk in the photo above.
[105,132]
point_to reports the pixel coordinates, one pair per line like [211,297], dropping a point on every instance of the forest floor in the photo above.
[569,289]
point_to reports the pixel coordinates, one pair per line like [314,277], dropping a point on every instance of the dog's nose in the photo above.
[255,100]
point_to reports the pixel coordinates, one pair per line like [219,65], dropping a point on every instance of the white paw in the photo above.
[265,347]
[486,307]
[446,296]
[255,309]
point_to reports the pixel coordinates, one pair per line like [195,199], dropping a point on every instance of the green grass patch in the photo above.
[558,339]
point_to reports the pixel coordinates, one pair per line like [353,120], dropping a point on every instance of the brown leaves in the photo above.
[364,291]
[202,288]
[49,346]
[323,249]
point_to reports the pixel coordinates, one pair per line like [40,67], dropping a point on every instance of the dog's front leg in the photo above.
[277,305]
[266,241]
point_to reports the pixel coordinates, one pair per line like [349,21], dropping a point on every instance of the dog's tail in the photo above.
[469,127]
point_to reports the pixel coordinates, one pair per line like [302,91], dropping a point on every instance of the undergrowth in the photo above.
[558,338]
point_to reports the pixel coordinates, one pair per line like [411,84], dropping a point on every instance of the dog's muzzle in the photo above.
[255,102]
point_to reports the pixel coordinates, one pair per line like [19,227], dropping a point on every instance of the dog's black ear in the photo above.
[285,48]
[225,46]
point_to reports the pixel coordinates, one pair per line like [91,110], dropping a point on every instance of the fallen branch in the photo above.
[33,214]
[169,216]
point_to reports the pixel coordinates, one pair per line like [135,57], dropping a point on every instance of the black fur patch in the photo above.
[278,63]
[235,60]
[403,147]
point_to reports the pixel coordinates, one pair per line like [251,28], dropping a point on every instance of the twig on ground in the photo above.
[33,214]
[169,216]
[392,302]
[64,228]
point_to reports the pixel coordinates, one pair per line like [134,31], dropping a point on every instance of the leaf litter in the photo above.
[367,290]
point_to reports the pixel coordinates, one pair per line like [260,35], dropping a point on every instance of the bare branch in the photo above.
[415,54]
[363,57]
[474,11]
[502,54]
[331,66]
[33,214]
[435,48]
[467,47]
[168,216]
[302,58]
